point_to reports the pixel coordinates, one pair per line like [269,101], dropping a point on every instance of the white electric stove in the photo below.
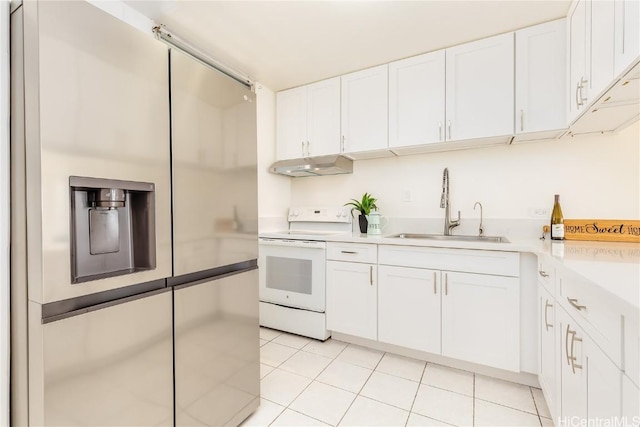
[292,270]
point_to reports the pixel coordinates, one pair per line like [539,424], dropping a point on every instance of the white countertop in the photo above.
[612,266]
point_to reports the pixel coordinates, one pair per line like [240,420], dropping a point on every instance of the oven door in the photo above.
[292,273]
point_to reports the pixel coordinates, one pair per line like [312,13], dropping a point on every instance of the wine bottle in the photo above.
[557,220]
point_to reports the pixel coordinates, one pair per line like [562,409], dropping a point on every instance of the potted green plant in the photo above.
[364,206]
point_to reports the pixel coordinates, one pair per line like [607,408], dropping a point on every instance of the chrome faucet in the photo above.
[444,203]
[480,229]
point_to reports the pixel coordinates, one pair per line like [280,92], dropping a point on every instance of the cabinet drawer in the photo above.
[546,274]
[353,252]
[594,311]
[465,260]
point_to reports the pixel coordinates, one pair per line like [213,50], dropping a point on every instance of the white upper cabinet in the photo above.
[365,101]
[591,52]
[416,100]
[479,88]
[600,54]
[291,123]
[308,120]
[627,34]
[323,117]
[577,59]
[541,80]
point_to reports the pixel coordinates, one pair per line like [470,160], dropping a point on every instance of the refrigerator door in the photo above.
[111,366]
[217,357]
[215,218]
[91,98]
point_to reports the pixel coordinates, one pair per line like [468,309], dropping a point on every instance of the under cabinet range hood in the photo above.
[313,166]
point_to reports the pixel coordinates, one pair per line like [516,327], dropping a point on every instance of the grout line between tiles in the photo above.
[535,404]
[415,396]
[364,384]
[506,406]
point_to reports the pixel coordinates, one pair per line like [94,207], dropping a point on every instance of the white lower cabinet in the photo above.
[352,294]
[573,397]
[630,402]
[603,384]
[590,382]
[480,319]
[409,307]
[547,346]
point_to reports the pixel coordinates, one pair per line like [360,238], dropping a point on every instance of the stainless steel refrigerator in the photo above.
[117,290]
[217,366]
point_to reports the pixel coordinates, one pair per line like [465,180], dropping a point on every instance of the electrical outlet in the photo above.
[539,212]
[406,195]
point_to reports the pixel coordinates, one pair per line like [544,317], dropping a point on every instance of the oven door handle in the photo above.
[293,243]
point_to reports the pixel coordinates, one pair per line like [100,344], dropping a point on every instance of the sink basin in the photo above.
[492,239]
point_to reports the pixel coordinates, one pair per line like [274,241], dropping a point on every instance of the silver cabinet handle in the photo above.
[574,304]
[302,148]
[577,99]
[371,275]
[308,151]
[543,273]
[566,346]
[435,285]
[546,322]
[521,120]
[342,142]
[574,365]
[446,284]
[449,126]
[583,98]
[349,252]
[439,131]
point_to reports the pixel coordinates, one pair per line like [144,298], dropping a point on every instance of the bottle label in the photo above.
[557,231]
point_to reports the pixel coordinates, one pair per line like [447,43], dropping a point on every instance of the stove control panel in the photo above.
[320,214]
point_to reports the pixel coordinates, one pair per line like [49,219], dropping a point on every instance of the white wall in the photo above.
[274,191]
[4,212]
[125,13]
[596,176]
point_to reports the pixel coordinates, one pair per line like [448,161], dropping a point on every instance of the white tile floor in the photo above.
[311,383]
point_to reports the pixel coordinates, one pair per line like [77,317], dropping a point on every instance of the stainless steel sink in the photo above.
[493,239]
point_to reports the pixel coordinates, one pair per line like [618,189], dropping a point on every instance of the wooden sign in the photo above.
[603,230]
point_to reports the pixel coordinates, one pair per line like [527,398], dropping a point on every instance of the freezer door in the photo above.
[111,366]
[215,214]
[217,357]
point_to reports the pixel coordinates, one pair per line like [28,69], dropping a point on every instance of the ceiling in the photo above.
[283,44]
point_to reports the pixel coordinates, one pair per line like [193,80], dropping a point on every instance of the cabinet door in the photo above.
[577,58]
[409,307]
[416,100]
[548,351]
[604,384]
[627,34]
[291,123]
[481,319]
[352,298]
[601,44]
[630,399]
[479,88]
[541,64]
[573,397]
[323,117]
[365,101]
